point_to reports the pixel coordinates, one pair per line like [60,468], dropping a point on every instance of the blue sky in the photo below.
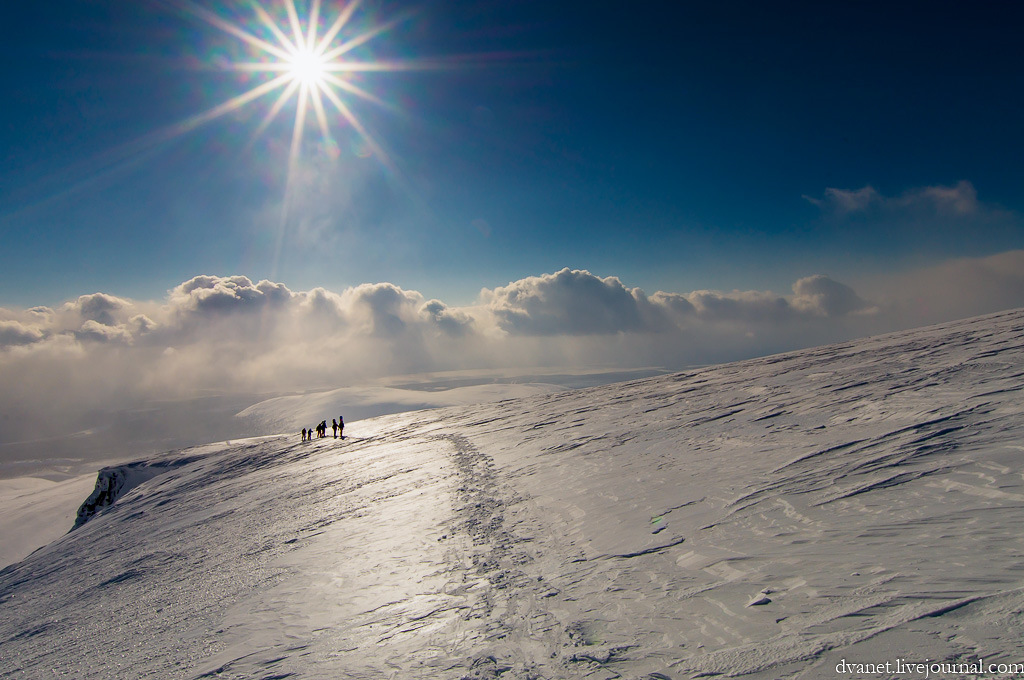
[676,145]
[541,185]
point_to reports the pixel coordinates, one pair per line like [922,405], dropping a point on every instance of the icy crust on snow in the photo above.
[763,519]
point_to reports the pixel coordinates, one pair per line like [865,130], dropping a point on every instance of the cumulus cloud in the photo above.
[750,306]
[452,321]
[570,302]
[821,296]
[95,331]
[383,309]
[229,334]
[576,302]
[227,294]
[17,333]
[100,308]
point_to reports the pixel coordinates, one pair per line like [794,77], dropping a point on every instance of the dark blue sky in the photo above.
[677,145]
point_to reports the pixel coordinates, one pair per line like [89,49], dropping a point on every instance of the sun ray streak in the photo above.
[364,38]
[314,18]
[293,18]
[392,66]
[286,94]
[358,91]
[293,163]
[378,151]
[291,56]
[259,67]
[232,104]
[269,22]
[228,27]
[335,28]
[300,122]
[321,115]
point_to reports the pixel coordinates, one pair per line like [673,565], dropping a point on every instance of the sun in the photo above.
[310,61]
[305,60]
[307,67]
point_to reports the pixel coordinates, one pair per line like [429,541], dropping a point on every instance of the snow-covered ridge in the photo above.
[764,519]
[115,481]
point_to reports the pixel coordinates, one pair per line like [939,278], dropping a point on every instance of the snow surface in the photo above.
[293,412]
[31,517]
[766,519]
[36,511]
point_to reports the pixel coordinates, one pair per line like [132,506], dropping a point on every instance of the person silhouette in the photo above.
[341,427]
[303,434]
[334,427]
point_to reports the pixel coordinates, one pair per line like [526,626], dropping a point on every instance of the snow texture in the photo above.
[762,519]
[36,511]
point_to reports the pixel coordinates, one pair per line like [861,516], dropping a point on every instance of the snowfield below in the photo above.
[766,519]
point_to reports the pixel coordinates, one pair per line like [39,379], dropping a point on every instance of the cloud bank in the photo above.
[231,335]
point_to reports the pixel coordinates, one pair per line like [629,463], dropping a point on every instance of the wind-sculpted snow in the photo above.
[763,519]
[116,481]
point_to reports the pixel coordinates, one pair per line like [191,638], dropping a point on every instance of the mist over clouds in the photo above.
[231,335]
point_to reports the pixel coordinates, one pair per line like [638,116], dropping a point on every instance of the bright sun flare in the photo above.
[308,67]
[302,63]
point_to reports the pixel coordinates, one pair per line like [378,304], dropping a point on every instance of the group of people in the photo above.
[321,430]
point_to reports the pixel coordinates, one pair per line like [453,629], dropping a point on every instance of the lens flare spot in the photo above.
[361,149]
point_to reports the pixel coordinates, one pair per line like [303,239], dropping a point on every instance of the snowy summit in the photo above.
[781,517]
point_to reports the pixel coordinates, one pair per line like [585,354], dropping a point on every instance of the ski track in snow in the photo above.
[762,519]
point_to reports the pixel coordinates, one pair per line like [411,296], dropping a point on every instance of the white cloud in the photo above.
[578,303]
[959,200]
[454,322]
[821,296]
[569,302]
[225,295]
[98,307]
[846,200]
[750,306]
[215,334]
[17,333]
[95,331]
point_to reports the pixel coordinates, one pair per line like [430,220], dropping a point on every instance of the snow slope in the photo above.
[764,519]
[35,511]
[293,412]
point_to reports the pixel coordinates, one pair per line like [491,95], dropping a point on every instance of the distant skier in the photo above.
[341,427]
[334,426]
[303,434]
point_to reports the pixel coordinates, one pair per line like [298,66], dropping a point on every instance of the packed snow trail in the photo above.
[763,519]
